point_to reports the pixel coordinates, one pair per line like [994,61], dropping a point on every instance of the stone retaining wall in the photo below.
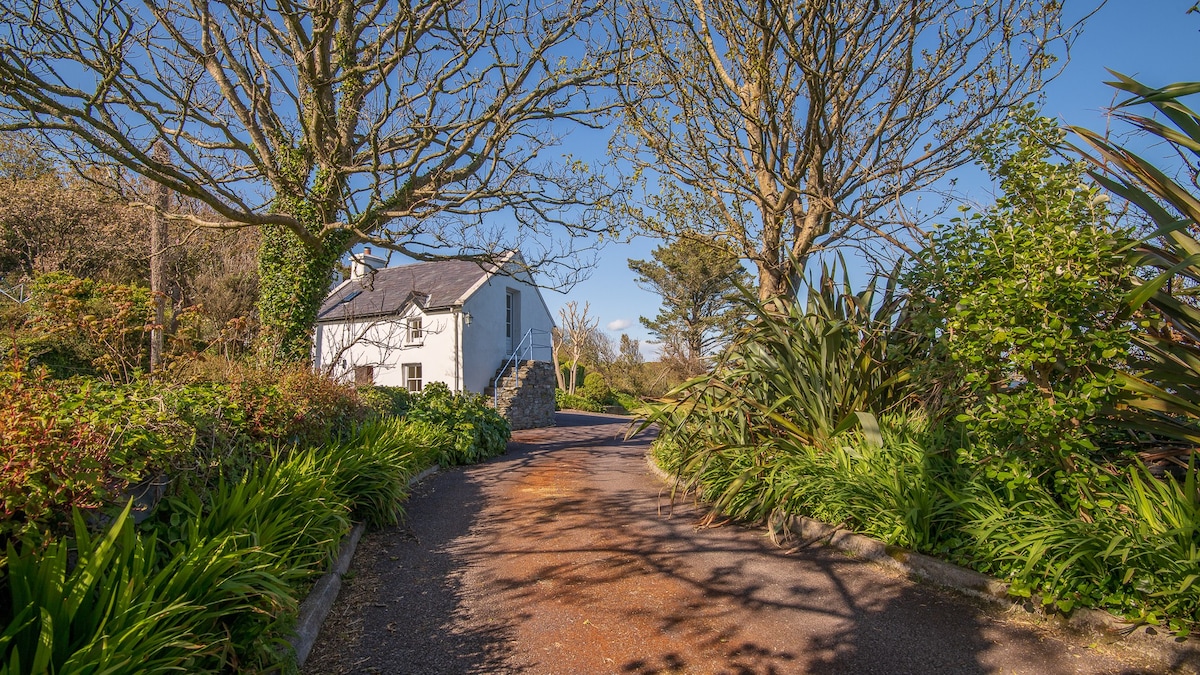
[530,404]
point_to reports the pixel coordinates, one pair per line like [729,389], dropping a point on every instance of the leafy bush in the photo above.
[479,431]
[627,401]
[1024,301]
[242,419]
[212,582]
[595,389]
[565,401]
[85,327]
[386,400]
[74,444]
[81,442]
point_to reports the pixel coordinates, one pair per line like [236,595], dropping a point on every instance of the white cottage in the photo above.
[451,321]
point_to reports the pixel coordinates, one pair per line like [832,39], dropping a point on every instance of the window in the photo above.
[415,332]
[364,375]
[508,315]
[412,376]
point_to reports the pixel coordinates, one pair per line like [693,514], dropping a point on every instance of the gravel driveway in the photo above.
[567,556]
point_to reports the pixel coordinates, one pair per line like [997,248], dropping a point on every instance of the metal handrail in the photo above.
[16,293]
[527,342]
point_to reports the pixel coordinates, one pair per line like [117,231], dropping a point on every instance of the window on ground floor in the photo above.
[412,376]
[364,375]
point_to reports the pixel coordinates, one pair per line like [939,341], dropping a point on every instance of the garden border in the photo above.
[320,599]
[1158,645]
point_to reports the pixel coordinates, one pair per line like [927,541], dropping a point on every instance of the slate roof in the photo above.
[432,285]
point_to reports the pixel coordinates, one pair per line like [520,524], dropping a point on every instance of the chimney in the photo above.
[365,263]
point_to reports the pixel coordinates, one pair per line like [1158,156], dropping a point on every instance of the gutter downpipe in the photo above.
[457,349]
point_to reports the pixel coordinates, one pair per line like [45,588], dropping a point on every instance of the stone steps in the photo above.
[526,397]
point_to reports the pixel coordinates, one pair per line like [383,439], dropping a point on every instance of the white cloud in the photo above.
[619,324]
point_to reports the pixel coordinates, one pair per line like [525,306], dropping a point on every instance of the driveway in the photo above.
[567,556]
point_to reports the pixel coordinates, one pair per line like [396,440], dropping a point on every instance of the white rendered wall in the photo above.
[383,344]
[484,344]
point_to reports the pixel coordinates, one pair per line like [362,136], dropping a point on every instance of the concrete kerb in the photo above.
[319,602]
[1169,652]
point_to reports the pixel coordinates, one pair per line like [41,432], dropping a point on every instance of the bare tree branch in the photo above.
[809,124]
[381,118]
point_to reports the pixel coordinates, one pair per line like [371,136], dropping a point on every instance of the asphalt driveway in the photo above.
[567,556]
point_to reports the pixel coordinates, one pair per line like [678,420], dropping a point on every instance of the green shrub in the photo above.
[565,401]
[1024,300]
[386,400]
[479,431]
[288,511]
[627,401]
[74,444]
[240,420]
[595,389]
[1161,380]
[80,442]
[85,327]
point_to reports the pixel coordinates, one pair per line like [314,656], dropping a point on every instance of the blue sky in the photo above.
[1152,40]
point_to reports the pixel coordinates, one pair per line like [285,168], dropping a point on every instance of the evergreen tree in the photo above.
[697,278]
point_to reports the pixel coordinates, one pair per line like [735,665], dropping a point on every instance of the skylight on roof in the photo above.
[350,297]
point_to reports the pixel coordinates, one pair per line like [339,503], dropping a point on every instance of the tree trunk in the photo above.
[293,282]
[772,282]
[555,341]
[158,242]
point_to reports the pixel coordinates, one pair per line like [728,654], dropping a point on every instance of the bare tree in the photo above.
[556,340]
[577,335]
[403,125]
[53,222]
[802,124]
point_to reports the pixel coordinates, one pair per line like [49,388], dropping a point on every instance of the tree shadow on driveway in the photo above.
[567,556]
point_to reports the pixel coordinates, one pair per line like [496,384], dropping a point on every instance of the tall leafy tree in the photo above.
[802,125]
[1026,301]
[326,124]
[697,278]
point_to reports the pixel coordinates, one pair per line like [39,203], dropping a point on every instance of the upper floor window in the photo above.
[416,332]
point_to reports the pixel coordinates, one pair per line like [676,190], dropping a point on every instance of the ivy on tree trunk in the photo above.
[293,281]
